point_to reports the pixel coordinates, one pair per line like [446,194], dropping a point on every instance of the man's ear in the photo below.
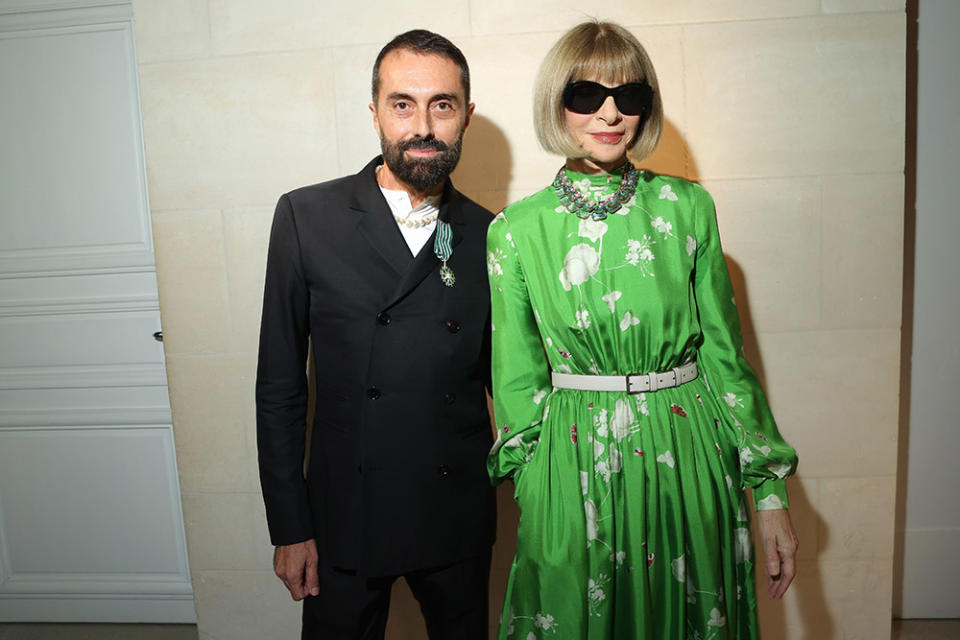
[376,118]
[466,122]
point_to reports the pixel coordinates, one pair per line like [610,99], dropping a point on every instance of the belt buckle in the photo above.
[629,391]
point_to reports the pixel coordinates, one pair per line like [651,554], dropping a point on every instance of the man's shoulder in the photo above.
[336,188]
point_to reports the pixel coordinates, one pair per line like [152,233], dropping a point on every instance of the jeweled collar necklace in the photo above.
[577,203]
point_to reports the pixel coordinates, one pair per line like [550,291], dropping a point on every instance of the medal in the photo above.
[443,249]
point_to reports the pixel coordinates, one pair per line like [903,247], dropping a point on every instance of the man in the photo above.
[383,272]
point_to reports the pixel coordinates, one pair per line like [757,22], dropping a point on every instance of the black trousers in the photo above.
[453,600]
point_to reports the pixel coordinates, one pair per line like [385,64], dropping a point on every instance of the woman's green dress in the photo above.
[633,522]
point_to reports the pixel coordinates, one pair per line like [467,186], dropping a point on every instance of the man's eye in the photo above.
[444,106]
[401,106]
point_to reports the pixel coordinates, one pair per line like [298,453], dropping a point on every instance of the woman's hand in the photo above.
[780,548]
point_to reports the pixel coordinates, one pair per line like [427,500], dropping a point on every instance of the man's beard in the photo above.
[422,173]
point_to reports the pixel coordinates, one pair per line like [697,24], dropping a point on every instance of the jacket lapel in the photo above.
[426,261]
[376,224]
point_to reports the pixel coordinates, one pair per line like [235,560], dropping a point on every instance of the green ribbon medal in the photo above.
[443,249]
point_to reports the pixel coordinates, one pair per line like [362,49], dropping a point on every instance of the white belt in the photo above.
[633,383]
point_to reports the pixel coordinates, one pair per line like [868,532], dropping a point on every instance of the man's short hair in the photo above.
[424,42]
[600,51]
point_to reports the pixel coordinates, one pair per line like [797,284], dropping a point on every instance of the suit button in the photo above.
[453,326]
[443,471]
[360,468]
[383,318]
[449,398]
[373,393]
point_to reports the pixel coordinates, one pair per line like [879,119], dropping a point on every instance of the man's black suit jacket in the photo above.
[396,476]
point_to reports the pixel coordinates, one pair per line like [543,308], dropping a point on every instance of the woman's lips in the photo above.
[607,138]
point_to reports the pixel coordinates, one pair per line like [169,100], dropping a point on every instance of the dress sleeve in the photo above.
[281,389]
[766,460]
[521,374]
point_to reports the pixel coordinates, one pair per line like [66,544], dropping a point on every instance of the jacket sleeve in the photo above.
[281,389]
[766,460]
[521,374]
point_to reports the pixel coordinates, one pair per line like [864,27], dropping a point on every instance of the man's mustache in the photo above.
[424,143]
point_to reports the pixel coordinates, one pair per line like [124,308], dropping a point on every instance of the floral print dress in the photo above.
[633,522]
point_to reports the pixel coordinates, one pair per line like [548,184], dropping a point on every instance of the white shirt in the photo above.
[402,209]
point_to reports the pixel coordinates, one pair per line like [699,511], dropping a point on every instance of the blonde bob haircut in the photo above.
[600,51]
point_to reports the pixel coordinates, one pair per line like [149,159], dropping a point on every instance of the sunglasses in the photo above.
[632,99]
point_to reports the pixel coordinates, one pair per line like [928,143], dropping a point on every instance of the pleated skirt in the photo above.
[633,522]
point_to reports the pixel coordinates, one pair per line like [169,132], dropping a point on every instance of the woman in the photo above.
[630,487]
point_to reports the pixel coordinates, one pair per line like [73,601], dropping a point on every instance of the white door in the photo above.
[90,519]
[931,565]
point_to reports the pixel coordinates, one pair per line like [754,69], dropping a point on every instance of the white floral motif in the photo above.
[539,395]
[596,594]
[598,449]
[581,262]
[662,226]
[628,321]
[679,567]
[595,591]
[642,404]
[770,503]
[779,469]
[618,557]
[590,510]
[732,400]
[746,456]
[515,441]
[600,423]
[493,262]
[666,458]
[623,419]
[584,482]
[742,511]
[742,544]
[544,621]
[691,245]
[592,229]
[583,319]
[666,193]
[639,251]
[716,620]
[611,300]
[616,459]
[602,469]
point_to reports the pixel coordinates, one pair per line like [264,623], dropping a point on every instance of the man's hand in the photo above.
[296,566]
[780,548]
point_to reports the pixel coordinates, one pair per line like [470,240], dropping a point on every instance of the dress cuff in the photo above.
[770,495]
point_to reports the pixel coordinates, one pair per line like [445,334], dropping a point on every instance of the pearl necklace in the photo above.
[574,200]
[416,223]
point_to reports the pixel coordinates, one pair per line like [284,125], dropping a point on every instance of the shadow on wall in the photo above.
[672,156]
[486,166]
[807,589]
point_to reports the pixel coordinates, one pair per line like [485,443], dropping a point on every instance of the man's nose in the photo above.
[423,123]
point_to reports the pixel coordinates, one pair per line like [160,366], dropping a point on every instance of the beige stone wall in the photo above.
[790,111]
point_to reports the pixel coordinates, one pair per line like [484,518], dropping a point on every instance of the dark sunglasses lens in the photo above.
[633,99]
[584,98]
